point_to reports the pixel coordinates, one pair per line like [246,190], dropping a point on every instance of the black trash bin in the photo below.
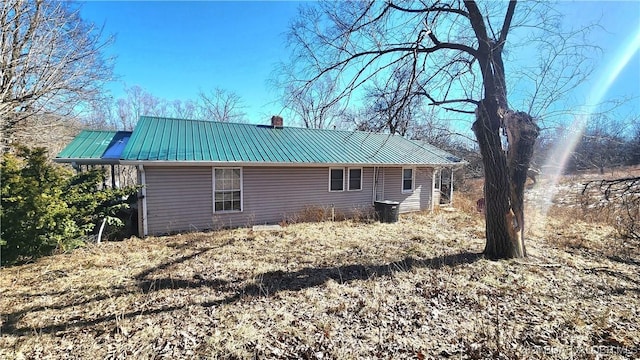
[387,211]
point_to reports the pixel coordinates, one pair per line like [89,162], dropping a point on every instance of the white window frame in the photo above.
[349,178]
[413,180]
[213,171]
[343,178]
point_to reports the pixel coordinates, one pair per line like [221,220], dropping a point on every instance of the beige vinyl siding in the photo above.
[274,194]
[179,199]
[419,198]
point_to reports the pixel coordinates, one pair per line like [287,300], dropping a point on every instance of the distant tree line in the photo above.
[123,113]
[608,141]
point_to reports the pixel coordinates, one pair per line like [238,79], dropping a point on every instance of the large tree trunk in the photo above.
[505,175]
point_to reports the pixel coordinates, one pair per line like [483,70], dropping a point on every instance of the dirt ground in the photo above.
[419,288]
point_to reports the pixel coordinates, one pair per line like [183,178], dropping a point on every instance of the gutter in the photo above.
[278,164]
[81,161]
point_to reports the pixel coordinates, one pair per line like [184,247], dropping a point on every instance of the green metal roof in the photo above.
[180,140]
[88,145]
[440,152]
[95,147]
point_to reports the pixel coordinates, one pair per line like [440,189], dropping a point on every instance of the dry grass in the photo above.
[331,290]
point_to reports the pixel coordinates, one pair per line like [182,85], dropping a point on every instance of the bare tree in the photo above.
[47,130]
[633,146]
[602,145]
[51,62]
[217,105]
[221,105]
[139,102]
[562,61]
[100,115]
[394,104]
[454,53]
[316,106]
[184,109]
[435,131]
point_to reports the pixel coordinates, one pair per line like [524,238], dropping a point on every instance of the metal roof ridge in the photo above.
[151,117]
[101,131]
[267,125]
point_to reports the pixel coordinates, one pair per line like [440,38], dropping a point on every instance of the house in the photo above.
[200,175]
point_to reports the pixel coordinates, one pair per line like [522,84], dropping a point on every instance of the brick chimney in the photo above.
[276,121]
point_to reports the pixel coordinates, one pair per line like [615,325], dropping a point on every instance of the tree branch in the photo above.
[444,8]
[506,25]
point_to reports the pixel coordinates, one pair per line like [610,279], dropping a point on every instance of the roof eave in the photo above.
[81,161]
[276,164]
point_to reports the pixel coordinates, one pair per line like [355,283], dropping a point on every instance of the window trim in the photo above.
[413,180]
[343,178]
[349,178]
[437,179]
[213,185]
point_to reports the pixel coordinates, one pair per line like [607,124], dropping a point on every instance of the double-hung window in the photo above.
[355,179]
[227,189]
[407,180]
[336,179]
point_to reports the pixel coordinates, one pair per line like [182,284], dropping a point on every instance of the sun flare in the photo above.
[557,161]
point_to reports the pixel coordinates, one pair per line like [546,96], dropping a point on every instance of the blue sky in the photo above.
[174,49]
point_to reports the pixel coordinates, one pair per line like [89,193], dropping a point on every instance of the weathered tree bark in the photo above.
[522,133]
[505,176]
[498,228]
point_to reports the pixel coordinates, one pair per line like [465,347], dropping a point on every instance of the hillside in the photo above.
[343,290]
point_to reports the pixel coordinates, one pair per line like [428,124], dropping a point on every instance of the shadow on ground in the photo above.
[269,283]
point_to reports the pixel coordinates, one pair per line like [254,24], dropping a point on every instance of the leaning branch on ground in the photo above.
[622,196]
[609,188]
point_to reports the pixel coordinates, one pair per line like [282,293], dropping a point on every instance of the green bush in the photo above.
[45,208]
